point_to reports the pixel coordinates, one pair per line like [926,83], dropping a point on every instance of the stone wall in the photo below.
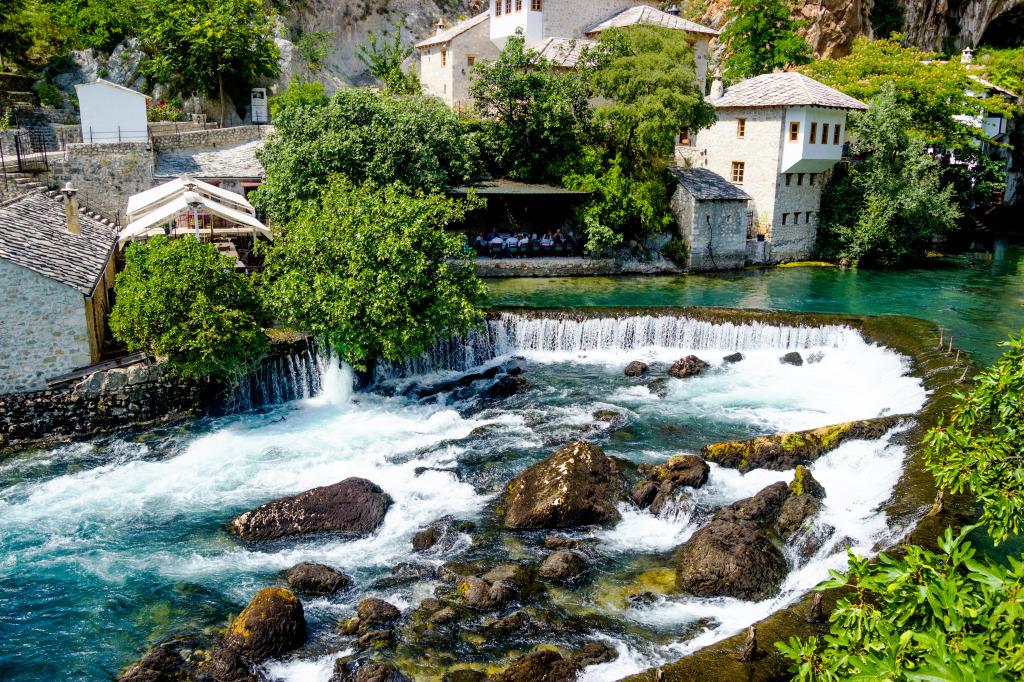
[797,203]
[451,79]
[218,137]
[105,174]
[43,329]
[131,397]
[720,224]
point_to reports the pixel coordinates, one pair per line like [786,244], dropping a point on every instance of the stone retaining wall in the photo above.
[219,137]
[569,267]
[105,174]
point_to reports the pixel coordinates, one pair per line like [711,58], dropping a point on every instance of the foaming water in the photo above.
[130,537]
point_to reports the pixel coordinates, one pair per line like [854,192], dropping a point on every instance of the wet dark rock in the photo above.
[506,387]
[643,493]
[593,654]
[478,595]
[376,612]
[463,676]
[426,539]
[442,533]
[511,622]
[272,624]
[783,451]
[689,366]
[350,627]
[515,371]
[606,416]
[792,358]
[805,484]
[665,496]
[227,666]
[688,471]
[563,567]
[451,571]
[346,670]
[491,372]
[761,510]
[160,664]
[510,574]
[431,605]
[734,357]
[403,574]
[558,542]
[445,615]
[470,378]
[804,501]
[316,579]
[354,505]
[636,369]
[574,486]
[376,637]
[539,666]
[729,559]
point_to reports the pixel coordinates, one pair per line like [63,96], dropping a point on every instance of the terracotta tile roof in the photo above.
[563,52]
[455,31]
[785,90]
[34,235]
[703,183]
[649,15]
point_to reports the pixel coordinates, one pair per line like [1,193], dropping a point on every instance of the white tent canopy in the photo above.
[148,211]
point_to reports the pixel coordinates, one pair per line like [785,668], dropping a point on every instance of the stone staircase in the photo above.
[22,183]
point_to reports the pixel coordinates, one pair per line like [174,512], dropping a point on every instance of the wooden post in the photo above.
[814,616]
[750,649]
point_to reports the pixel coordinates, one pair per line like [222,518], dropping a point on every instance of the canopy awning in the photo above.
[153,198]
[150,224]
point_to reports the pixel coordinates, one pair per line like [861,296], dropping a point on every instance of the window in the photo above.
[789,178]
[684,137]
[799,178]
[737,172]
[537,5]
[835,137]
[794,131]
[519,5]
[741,127]
[808,216]
[811,178]
[508,6]
[814,133]
[444,57]
[470,59]
[784,217]
[497,8]
[824,133]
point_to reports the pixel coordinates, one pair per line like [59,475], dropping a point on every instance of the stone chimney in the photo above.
[441,25]
[674,9]
[717,88]
[71,209]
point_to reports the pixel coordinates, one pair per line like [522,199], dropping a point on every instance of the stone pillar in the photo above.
[71,209]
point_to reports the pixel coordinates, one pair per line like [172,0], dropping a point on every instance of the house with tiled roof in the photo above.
[558,29]
[56,270]
[777,137]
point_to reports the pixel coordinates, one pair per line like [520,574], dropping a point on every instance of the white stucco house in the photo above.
[776,137]
[112,113]
[557,29]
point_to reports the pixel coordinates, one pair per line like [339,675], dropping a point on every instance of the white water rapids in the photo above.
[133,520]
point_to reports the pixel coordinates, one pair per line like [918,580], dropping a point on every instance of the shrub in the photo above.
[165,110]
[677,251]
[49,95]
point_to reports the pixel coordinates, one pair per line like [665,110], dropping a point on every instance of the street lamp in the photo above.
[193,199]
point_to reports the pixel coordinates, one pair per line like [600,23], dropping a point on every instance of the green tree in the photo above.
[538,115]
[887,210]
[314,47]
[200,42]
[760,37]
[365,136]
[979,449]
[183,299]
[383,55]
[299,94]
[928,616]
[374,272]
[886,18]
[1004,67]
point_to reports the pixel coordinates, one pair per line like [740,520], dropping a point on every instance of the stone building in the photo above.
[776,138]
[555,28]
[711,215]
[56,267]
[234,168]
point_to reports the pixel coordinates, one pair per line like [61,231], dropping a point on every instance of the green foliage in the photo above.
[932,90]
[198,42]
[299,94]
[314,48]
[885,211]
[980,448]
[374,272]
[760,38]
[1004,67]
[383,55]
[365,136]
[49,95]
[164,110]
[14,40]
[649,75]
[677,251]
[930,616]
[539,115]
[886,18]
[183,299]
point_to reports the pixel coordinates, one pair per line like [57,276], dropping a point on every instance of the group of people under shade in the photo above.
[522,245]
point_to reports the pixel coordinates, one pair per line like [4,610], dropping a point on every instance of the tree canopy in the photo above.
[373,271]
[184,300]
[383,55]
[760,37]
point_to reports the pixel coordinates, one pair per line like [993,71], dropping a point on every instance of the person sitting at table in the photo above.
[480,242]
[546,239]
[495,240]
[524,244]
[510,242]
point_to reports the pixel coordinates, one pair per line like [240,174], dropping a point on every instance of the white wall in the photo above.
[803,156]
[506,25]
[111,114]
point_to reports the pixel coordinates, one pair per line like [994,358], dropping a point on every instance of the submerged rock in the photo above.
[316,579]
[593,654]
[507,386]
[272,624]
[792,358]
[463,676]
[346,670]
[574,486]
[636,369]
[510,574]
[539,666]
[444,530]
[445,615]
[563,567]
[354,505]
[729,559]
[689,366]
[734,357]
[783,451]
[558,542]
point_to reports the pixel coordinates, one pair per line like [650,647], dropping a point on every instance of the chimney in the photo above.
[717,88]
[71,209]
[674,9]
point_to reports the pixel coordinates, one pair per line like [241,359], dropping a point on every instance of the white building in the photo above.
[112,113]
[555,28]
[776,137]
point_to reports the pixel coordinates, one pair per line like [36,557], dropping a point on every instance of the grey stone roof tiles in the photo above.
[455,31]
[785,90]
[703,183]
[649,15]
[34,235]
[235,162]
[563,52]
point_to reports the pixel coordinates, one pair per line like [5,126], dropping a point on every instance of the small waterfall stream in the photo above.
[282,379]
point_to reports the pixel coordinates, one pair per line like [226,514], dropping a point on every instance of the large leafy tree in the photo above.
[537,114]
[383,55]
[374,272]
[887,210]
[761,37]
[183,299]
[365,136]
[200,43]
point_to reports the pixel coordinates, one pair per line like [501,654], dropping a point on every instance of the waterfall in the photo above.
[282,379]
[509,333]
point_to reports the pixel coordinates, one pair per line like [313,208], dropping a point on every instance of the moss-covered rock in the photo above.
[683,470]
[728,559]
[316,579]
[160,664]
[539,666]
[690,366]
[272,624]
[636,369]
[783,451]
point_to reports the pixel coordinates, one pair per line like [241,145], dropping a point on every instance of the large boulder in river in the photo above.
[689,471]
[272,624]
[160,664]
[690,366]
[354,505]
[783,451]
[539,666]
[316,579]
[803,502]
[574,486]
[729,559]
[636,369]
